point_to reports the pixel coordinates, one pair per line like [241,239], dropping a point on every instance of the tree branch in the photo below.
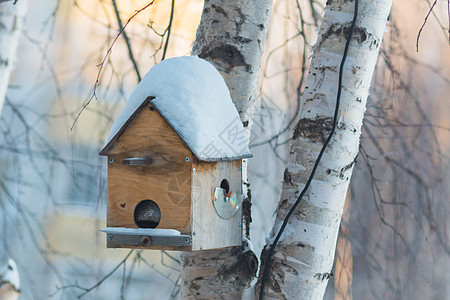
[97,80]
[127,40]
[169,28]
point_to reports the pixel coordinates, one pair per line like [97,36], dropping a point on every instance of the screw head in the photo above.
[240,224]
[186,240]
[111,160]
[194,170]
[240,168]
[145,241]
[109,237]
[187,159]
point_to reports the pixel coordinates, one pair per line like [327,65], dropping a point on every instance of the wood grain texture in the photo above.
[170,182]
[125,126]
[166,181]
[209,230]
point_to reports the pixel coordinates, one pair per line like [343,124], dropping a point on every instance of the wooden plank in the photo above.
[125,126]
[209,230]
[149,132]
[166,181]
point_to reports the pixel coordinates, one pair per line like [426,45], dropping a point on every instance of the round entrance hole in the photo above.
[147,214]
[225,185]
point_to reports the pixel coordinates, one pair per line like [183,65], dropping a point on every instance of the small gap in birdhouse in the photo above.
[225,185]
[147,214]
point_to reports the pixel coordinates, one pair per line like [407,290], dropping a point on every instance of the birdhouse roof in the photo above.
[191,95]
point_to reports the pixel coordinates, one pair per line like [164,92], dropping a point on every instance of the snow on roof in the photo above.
[194,99]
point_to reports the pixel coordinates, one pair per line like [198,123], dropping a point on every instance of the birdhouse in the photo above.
[174,162]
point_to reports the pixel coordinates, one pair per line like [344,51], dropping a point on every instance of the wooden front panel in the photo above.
[166,181]
[210,230]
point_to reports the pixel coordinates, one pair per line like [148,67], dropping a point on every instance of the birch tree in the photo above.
[11,20]
[302,261]
[319,218]
[231,36]
[224,273]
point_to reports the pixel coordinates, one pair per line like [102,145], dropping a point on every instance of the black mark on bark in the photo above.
[275,275]
[330,2]
[226,57]
[283,203]
[341,172]
[219,10]
[323,276]
[4,62]
[242,40]
[301,245]
[247,211]
[347,167]
[243,270]
[239,22]
[287,177]
[194,285]
[360,34]
[315,130]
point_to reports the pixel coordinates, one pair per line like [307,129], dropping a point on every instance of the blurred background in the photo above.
[394,236]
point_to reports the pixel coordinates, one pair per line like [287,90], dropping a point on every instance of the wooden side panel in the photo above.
[209,230]
[166,181]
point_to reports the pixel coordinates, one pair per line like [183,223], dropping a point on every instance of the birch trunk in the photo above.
[231,36]
[11,21]
[302,262]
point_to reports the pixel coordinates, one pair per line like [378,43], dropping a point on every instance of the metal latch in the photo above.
[136,161]
[145,237]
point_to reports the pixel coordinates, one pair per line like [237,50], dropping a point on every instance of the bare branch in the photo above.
[97,80]
[127,40]
[423,25]
[169,28]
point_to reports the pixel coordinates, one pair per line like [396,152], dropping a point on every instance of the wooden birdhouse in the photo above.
[174,162]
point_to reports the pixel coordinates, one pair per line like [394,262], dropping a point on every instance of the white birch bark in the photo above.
[231,36]
[302,262]
[11,21]
[12,16]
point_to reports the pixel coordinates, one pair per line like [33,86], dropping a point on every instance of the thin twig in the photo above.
[97,80]
[106,276]
[169,27]
[127,40]
[448,13]
[423,25]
